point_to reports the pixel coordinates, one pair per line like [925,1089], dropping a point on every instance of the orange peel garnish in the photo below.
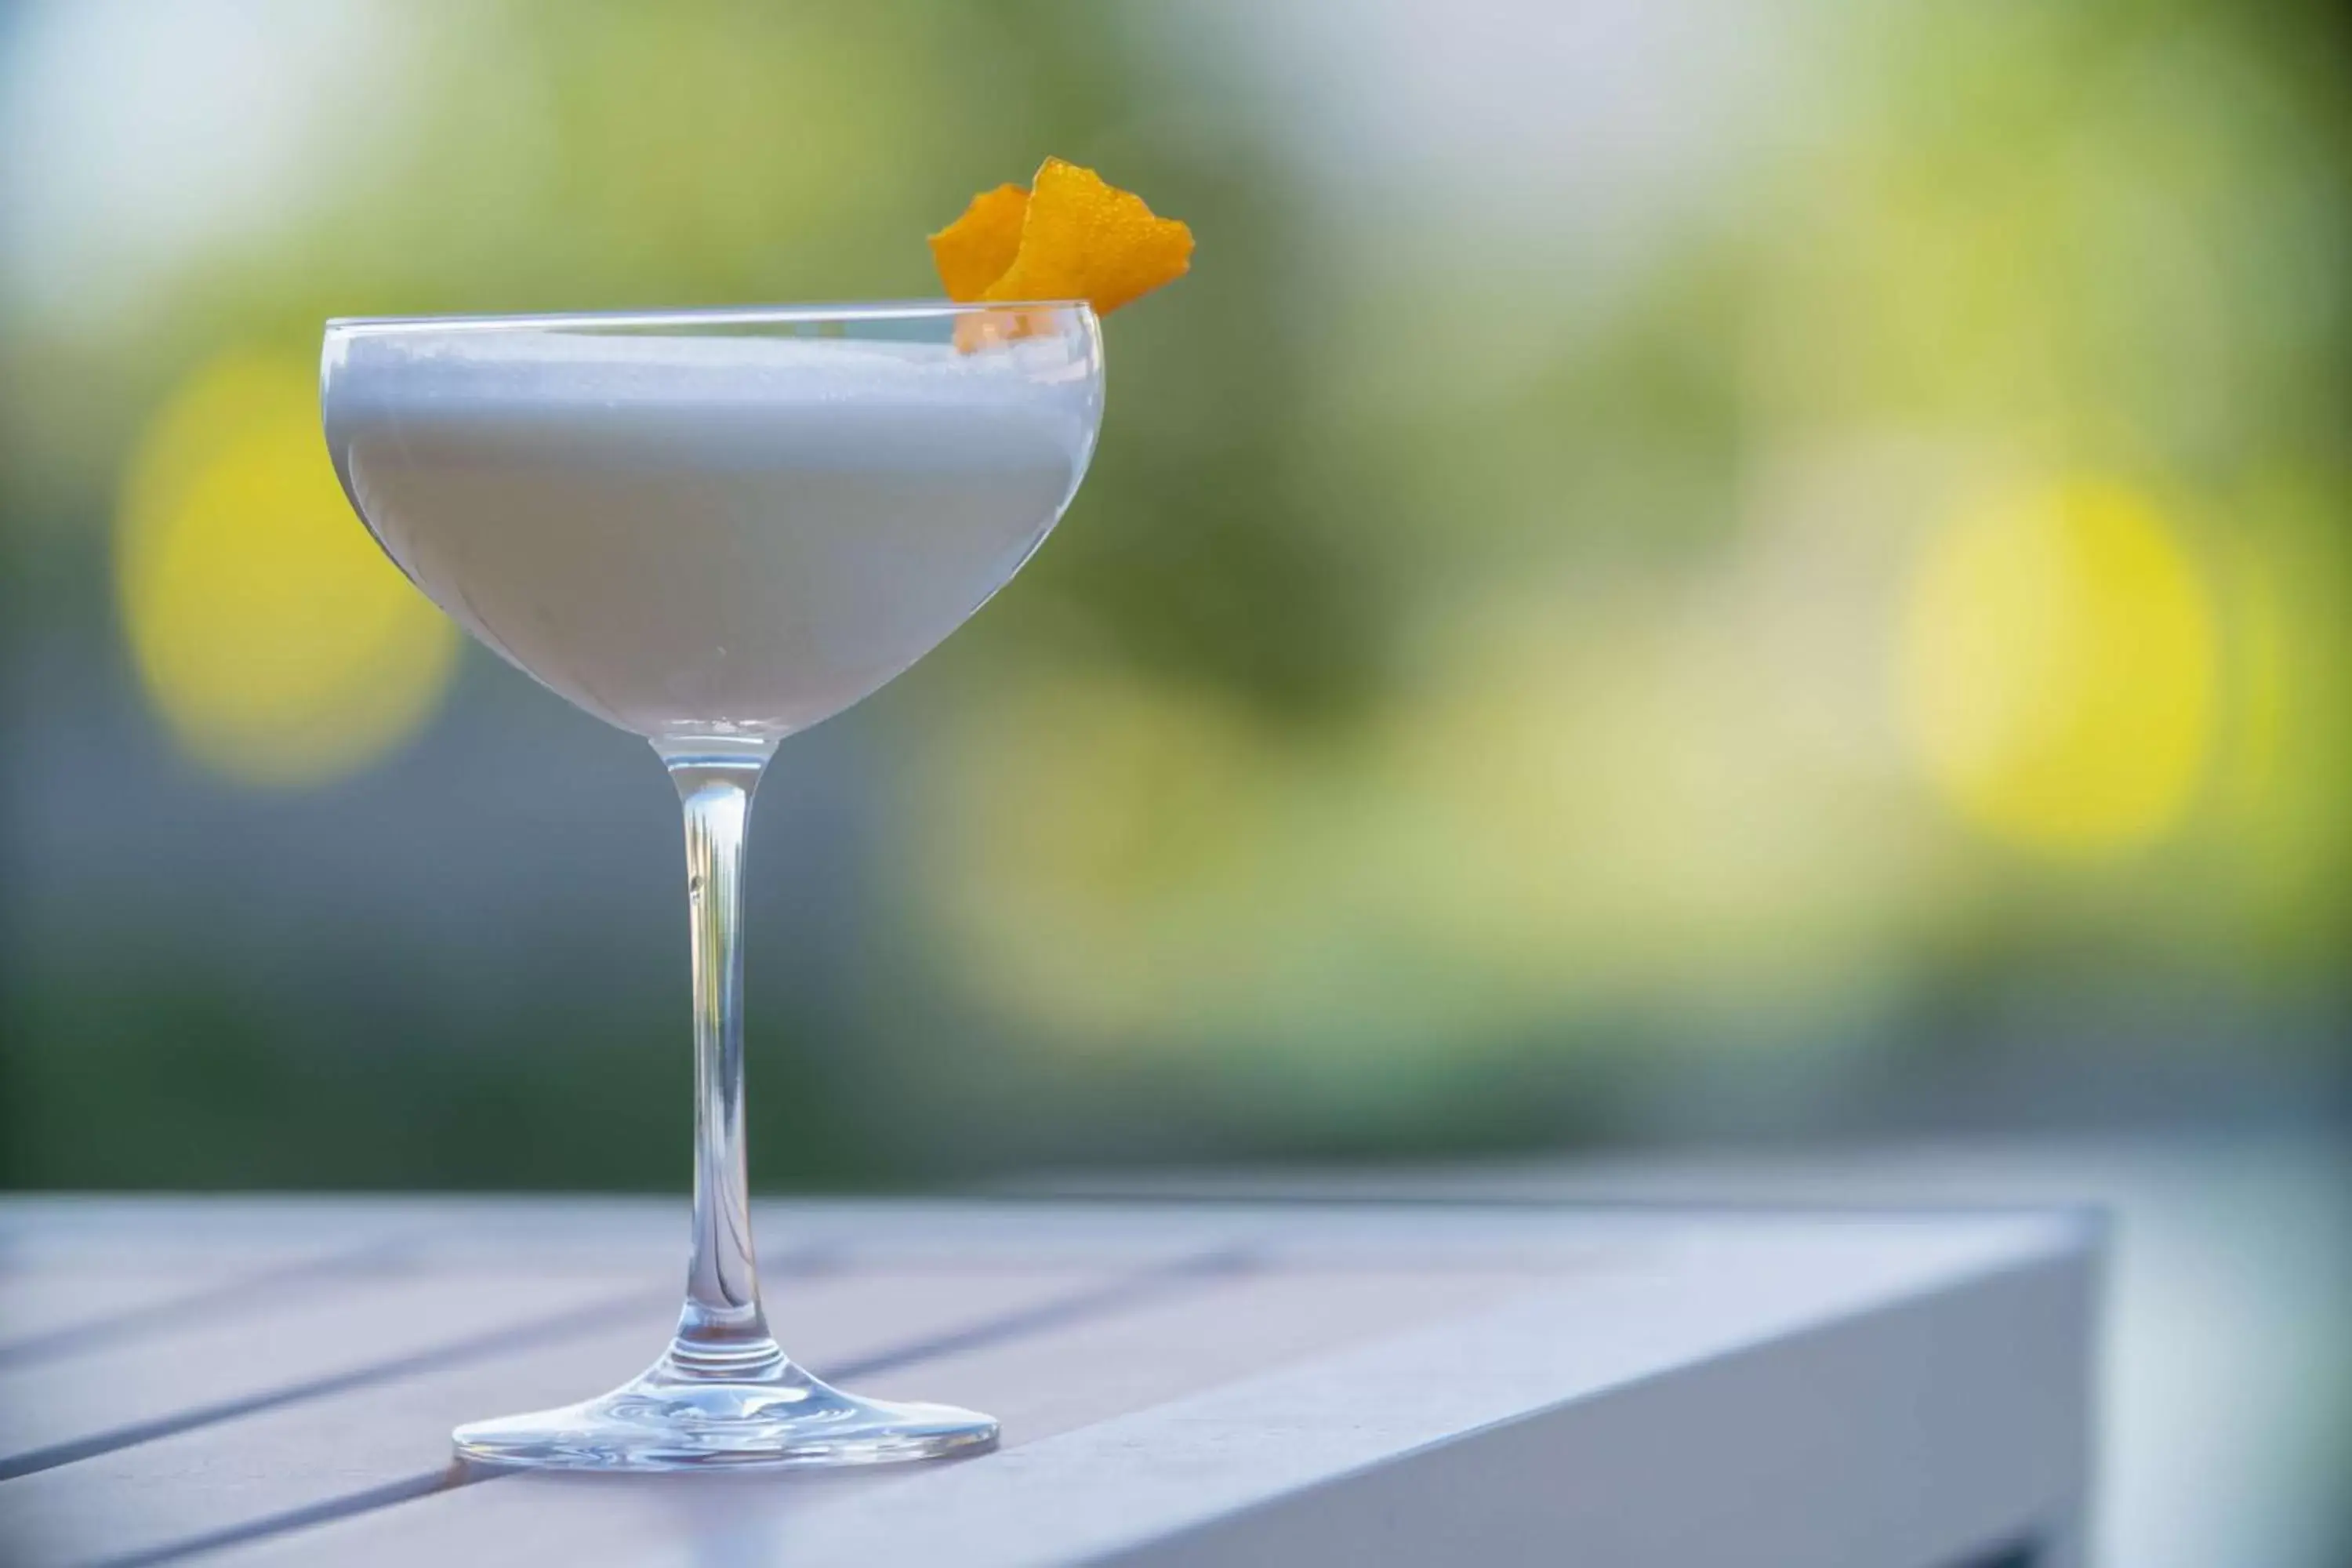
[977,248]
[1079,237]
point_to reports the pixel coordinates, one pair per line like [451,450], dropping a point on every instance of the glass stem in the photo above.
[722,1332]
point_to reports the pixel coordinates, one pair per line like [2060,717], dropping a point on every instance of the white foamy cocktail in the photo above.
[694,533]
[713,528]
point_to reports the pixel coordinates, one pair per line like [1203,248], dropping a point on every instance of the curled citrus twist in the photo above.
[1071,235]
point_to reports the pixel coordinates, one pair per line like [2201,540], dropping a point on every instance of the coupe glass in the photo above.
[712,529]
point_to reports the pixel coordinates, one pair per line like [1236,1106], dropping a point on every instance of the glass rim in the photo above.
[699,315]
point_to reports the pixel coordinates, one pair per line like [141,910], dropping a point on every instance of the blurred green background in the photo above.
[1743,570]
[1683,574]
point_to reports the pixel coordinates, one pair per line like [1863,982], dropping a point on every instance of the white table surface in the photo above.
[2224,1391]
[254,1381]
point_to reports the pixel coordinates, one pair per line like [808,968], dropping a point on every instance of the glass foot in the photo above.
[664,1421]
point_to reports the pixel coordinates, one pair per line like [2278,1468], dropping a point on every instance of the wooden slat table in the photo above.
[273,1382]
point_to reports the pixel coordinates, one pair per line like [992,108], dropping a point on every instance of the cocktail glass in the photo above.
[713,528]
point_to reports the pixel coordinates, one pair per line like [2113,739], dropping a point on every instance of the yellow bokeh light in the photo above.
[270,633]
[2058,670]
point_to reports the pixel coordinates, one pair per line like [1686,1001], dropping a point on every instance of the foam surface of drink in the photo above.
[697,534]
